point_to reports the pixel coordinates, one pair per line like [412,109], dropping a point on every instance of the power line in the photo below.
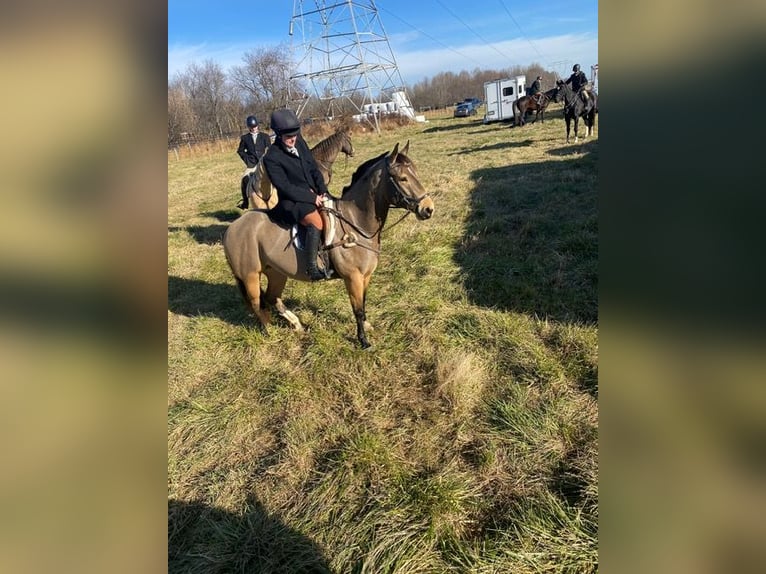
[523,35]
[430,37]
[471,29]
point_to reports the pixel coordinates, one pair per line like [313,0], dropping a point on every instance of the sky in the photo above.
[426,36]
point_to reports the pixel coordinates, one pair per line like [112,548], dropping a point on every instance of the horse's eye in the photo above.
[403,179]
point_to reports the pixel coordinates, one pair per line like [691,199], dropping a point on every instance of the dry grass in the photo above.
[465,442]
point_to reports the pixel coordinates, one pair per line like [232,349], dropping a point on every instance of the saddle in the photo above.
[298,238]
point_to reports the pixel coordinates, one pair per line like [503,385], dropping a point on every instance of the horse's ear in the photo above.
[394,153]
[406,148]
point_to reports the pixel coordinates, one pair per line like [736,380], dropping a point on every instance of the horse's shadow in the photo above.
[531,241]
[206,234]
[203,538]
[194,297]
[223,214]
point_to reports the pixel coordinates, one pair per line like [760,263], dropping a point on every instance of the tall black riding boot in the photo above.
[244,203]
[312,249]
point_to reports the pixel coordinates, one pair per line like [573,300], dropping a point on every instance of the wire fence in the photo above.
[201,146]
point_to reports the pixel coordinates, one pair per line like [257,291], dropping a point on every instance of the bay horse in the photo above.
[539,102]
[256,182]
[575,108]
[326,151]
[255,245]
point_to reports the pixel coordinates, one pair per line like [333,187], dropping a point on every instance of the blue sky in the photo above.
[426,36]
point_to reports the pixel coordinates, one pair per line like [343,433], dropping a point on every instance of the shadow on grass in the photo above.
[224,214]
[453,127]
[207,234]
[502,145]
[193,297]
[589,146]
[531,242]
[202,538]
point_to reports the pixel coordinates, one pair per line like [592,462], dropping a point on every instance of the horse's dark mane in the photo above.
[361,170]
[329,147]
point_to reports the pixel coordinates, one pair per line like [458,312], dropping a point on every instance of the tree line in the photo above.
[206,102]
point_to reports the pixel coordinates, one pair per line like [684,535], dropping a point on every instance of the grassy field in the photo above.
[464,441]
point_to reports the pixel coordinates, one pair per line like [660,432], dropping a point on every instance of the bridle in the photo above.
[400,200]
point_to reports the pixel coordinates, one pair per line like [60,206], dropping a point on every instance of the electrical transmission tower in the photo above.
[345,60]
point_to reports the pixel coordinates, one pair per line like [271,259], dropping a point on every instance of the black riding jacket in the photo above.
[578,80]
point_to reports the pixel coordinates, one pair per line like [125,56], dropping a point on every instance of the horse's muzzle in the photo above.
[425,208]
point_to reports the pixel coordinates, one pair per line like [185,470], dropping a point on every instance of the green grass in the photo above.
[465,441]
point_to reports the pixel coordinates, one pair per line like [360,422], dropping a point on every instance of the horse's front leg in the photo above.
[355,286]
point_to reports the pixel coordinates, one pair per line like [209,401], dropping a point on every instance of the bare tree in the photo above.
[180,116]
[263,79]
[206,87]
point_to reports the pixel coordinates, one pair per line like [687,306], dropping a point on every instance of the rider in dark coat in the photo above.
[579,82]
[300,185]
[535,87]
[252,146]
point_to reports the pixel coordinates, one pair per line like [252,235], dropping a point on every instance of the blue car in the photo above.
[464,110]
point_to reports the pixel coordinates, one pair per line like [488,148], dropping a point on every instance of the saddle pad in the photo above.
[298,233]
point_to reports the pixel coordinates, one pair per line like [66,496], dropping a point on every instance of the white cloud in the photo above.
[559,53]
[227,55]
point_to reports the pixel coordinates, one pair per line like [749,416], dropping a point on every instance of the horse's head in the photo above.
[408,192]
[346,146]
[558,94]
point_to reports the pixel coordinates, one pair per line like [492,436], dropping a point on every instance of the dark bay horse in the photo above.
[256,245]
[575,108]
[537,103]
[326,151]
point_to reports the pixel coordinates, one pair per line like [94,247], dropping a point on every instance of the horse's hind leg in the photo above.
[273,296]
[250,287]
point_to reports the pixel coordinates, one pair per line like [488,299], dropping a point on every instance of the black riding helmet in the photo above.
[251,121]
[576,68]
[285,122]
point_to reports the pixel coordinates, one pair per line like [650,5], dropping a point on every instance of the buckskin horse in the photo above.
[539,102]
[575,108]
[255,245]
[260,192]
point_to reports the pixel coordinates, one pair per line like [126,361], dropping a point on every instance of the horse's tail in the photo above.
[516,112]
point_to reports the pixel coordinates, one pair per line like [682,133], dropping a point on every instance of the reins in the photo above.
[408,203]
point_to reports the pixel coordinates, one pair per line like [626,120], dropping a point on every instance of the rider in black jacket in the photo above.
[300,185]
[579,82]
[252,146]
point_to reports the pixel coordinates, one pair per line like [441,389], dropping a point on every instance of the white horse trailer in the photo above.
[500,95]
